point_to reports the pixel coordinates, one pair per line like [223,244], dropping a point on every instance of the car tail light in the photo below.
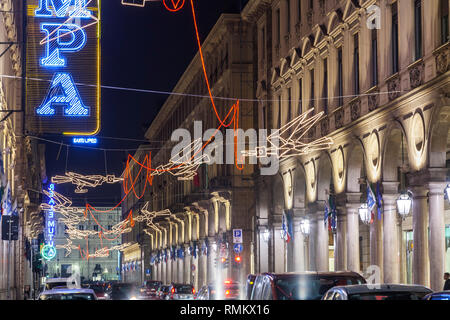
[172,291]
[227,293]
[227,281]
[193,291]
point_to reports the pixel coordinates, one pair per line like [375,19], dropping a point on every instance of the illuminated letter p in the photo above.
[56,35]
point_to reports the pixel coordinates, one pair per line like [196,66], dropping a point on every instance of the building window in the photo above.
[264,117]
[356,64]
[418,28]
[444,21]
[263,37]
[374,58]
[325,86]
[300,96]
[278,26]
[311,95]
[289,105]
[288,20]
[299,12]
[311,4]
[80,227]
[394,38]
[95,227]
[279,111]
[340,79]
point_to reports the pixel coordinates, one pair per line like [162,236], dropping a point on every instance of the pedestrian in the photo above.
[447,281]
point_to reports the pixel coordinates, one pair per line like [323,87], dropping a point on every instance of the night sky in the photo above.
[142,48]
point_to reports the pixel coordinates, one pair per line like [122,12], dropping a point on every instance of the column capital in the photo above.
[437,188]
[419,191]
[390,198]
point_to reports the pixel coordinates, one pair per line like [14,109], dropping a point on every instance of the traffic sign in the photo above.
[6,221]
[238,248]
[237,235]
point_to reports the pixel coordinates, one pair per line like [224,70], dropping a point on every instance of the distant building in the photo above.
[96,269]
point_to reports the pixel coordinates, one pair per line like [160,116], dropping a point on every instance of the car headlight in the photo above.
[133,298]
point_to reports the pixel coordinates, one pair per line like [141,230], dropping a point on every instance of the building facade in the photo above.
[65,264]
[379,73]
[22,166]
[382,82]
[195,244]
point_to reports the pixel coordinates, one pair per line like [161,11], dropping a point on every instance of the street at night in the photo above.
[241,151]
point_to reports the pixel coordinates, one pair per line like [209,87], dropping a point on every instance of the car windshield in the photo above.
[388,296]
[123,288]
[97,289]
[51,285]
[183,289]
[67,296]
[309,288]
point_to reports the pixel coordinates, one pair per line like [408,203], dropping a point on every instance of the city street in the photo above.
[231,150]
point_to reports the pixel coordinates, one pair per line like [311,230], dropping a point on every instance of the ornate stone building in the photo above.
[385,97]
[190,246]
[22,166]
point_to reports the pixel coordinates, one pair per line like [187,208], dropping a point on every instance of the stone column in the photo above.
[391,251]
[186,265]
[322,251]
[194,274]
[376,244]
[437,234]
[340,249]
[169,269]
[279,251]
[353,258]
[421,272]
[212,256]
[180,270]
[202,269]
[299,247]
[174,269]
[312,241]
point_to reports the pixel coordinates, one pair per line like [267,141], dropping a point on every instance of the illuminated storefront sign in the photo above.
[85,140]
[49,250]
[63,67]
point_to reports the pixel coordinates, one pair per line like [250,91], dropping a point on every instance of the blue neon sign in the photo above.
[85,140]
[50,226]
[62,38]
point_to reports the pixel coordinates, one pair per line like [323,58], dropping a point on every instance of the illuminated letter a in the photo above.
[63,92]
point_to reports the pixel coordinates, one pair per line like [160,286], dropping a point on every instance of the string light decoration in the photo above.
[82,181]
[290,138]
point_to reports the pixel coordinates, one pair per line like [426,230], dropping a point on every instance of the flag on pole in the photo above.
[379,201]
[286,225]
[327,212]
[370,197]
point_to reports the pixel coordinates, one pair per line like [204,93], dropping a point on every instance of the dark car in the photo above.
[179,291]
[377,292]
[123,291]
[249,286]
[301,285]
[442,295]
[149,288]
[100,291]
[229,291]
[162,292]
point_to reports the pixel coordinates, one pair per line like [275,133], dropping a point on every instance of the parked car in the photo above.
[124,291]
[149,288]
[179,291]
[442,295]
[380,292]
[100,291]
[301,285]
[68,294]
[249,286]
[162,292]
[230,291]
[51,283]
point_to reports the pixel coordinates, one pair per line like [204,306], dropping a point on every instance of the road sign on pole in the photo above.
[238,248]
[237,235]
[10,227]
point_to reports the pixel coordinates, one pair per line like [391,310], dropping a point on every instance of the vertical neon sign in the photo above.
[49,250]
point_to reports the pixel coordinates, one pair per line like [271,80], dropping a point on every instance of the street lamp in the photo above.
[364,213]
[305,227]
[404,204]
